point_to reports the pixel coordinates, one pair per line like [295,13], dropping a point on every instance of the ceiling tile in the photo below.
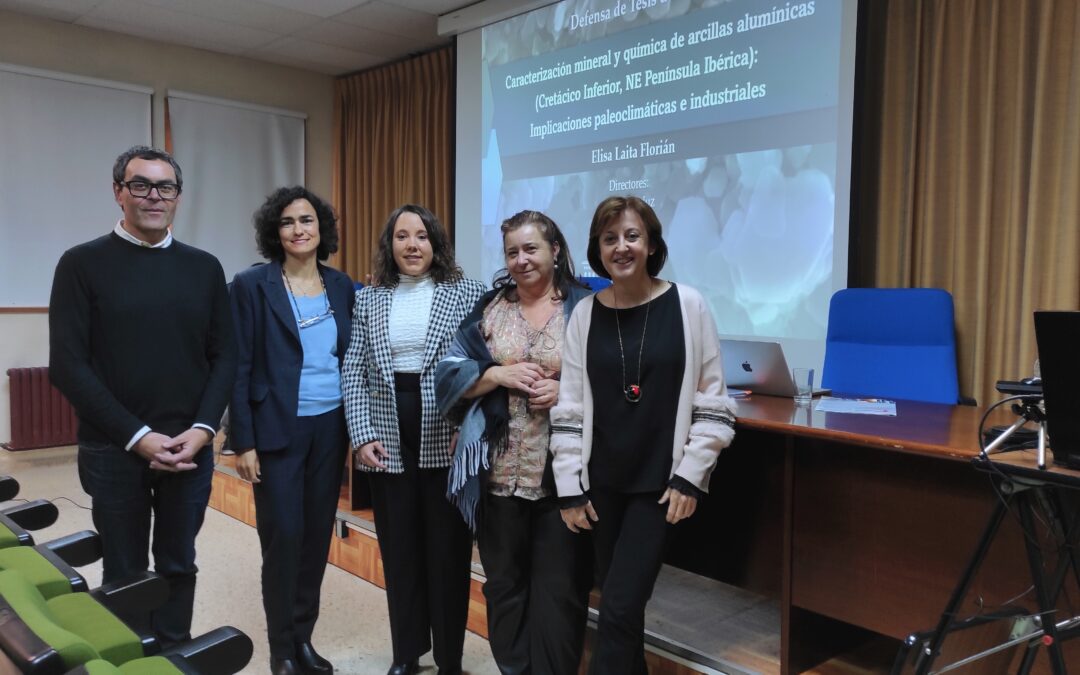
[367,40]
[57,10]
[194,41]
[397,20]
[323,8]
[331,36]
[158,23]
[249,13]
[436,7]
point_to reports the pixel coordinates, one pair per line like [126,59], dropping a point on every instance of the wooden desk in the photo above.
[854,523]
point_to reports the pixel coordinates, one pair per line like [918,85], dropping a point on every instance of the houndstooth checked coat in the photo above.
[367,376]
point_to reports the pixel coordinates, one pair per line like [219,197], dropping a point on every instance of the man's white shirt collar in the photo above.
[129,237]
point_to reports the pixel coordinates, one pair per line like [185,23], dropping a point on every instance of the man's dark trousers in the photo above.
[125,492]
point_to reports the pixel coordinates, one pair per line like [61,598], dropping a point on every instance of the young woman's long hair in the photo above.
[443,266]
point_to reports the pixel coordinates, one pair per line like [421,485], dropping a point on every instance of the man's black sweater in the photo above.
[140,337]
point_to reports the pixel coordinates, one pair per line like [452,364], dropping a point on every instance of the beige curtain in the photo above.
[973,162]
[394,136]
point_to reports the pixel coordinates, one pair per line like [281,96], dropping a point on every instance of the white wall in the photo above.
[41,43]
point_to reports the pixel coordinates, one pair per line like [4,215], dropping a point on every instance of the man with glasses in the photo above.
[140,342]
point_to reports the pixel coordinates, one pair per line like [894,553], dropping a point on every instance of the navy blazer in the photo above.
[266,396]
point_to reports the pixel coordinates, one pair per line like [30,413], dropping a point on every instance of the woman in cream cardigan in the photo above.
[643,413]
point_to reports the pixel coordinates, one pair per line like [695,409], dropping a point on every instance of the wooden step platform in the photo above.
[693,624]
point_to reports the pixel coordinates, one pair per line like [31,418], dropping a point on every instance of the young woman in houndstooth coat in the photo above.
[402,325]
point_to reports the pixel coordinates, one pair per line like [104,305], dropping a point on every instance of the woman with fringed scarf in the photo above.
[498,381]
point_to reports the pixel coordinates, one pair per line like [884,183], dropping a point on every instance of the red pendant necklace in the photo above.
[631,391]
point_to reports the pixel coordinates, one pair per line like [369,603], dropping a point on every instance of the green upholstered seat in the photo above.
[95,667]
[89,619]
[31,607]
[7,537]
[78,627]
[151,665]
[37,570]
[70,632]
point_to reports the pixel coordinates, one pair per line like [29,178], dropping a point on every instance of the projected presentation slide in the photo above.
[722,115]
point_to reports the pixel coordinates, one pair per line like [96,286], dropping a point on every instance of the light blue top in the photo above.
[320,378]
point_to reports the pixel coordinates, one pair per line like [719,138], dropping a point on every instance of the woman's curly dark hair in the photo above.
[443,266]
[565,277]
[267,221]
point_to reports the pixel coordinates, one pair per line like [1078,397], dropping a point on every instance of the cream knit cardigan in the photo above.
[704,422]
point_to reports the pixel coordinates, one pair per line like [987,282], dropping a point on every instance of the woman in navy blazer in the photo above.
[292,319]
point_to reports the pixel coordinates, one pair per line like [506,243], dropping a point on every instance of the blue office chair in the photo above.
[595,283]
[892,343]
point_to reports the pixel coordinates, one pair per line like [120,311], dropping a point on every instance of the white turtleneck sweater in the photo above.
[409,314]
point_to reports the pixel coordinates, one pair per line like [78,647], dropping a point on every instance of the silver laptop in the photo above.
[760,367]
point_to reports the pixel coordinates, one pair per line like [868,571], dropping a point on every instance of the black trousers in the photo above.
[539,575]
[425,545]
[629,542]
[125,492]
[295,504]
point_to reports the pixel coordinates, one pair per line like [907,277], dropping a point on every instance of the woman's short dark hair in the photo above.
[267,221]
[443,266]
[565,276]
[607,212]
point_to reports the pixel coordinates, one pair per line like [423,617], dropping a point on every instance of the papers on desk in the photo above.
[858,406]
[738,393]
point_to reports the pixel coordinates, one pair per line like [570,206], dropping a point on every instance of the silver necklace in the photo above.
[631,391]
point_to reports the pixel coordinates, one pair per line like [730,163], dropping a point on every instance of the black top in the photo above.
[632,442]
[140,337]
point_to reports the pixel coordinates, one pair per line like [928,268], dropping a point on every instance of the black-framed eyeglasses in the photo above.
[142,188]
[312,320]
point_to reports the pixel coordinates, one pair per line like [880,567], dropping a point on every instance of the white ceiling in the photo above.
[326,36]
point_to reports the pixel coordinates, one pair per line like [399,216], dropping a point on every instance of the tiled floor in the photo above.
[352,631]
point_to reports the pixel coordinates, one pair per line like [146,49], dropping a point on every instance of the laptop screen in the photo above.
[1058,337]
[757,366]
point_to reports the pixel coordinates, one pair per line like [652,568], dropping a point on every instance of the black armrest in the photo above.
[75,580]
[9,488]
[78,549]
[20,534]
[222,651]
[150,644]
[33,515]
[144,593]
[968,400]
[29,652]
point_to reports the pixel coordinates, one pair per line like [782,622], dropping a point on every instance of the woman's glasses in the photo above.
[312,320]
[308,321]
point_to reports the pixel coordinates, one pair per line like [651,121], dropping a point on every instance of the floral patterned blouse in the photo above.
[519,469]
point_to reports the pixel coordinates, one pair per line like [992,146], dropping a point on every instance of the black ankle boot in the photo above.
[410,668]
[284,667]
[311,662]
